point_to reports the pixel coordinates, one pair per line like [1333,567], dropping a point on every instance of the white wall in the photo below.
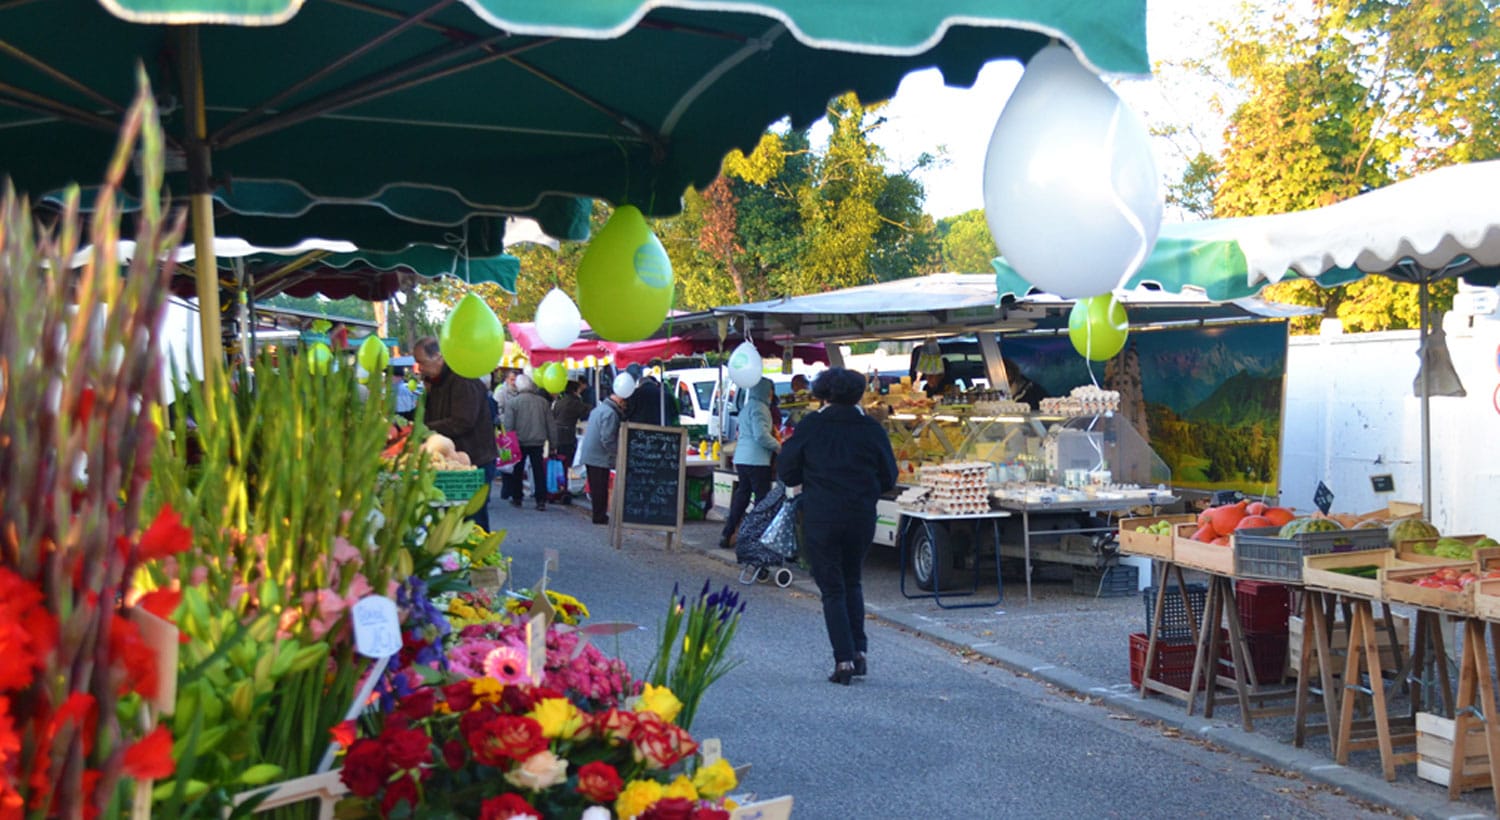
[1351,414]
[180,342]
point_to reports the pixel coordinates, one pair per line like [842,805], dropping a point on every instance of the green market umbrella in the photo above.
[368,275]
[501,104]
[1442,224]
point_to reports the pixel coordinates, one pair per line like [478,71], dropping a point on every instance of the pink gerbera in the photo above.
[506,664]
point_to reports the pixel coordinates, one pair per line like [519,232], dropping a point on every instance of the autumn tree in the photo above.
[1356,95]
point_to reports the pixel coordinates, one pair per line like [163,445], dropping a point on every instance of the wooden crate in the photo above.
[1411,545]
[1149,544]
[1318,571]
[1487,598]
[1435,751]
[1198,555]
[1339,643]
[1487,557]
[1397,586]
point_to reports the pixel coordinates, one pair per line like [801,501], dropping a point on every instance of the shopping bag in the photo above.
[509,445]
[781,534]
[758,517]
[557,476]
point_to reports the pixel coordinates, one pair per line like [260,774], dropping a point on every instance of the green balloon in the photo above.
[373,355]
[625,279]
[1098,326]
[471,338]
[552,377]
[319,359]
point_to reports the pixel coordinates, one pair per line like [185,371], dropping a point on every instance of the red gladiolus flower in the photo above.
[507,806]
[78,710]
[90,783]
[598,782]
[150,758]
[166,535]
[365,768]
[133,655]
[28,632]
[10,742]
[162,603]
[344,734]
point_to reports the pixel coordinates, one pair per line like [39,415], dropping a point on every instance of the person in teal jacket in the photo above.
[754,447]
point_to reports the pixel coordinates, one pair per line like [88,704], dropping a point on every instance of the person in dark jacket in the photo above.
[601,438]
[459,408]
[529,416]
[755,446]
[650,404]
[567,411]
[843,462]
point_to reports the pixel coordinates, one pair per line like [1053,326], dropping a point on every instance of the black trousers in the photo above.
[599,493]
[536,456]
[754,479]
[836,545]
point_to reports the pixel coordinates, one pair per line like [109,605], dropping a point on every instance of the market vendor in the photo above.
[459,408]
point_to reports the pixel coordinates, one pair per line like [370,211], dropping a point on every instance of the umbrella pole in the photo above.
[1423,319]
[201,206]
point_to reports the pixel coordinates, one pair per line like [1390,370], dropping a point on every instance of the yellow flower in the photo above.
[559,718]
[681,787]
[486,689]
[659,699]
[716,779]
[636,797]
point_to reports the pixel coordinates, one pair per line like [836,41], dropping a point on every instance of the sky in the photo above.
[925,114]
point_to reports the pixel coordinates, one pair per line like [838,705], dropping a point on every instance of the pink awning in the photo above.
[623,353]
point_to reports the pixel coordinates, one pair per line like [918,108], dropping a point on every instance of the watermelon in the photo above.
[1301,525]
[1410,529]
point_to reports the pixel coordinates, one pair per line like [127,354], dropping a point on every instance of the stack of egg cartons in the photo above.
[960,488]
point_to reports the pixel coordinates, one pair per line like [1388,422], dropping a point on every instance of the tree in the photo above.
[967,246]
[1356,95]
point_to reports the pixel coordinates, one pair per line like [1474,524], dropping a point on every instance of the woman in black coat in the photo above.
[842,459]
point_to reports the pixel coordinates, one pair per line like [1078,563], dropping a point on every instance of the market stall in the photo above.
[1064,469]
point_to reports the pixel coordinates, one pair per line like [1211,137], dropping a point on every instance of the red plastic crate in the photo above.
[1264,605]
[1267,655]
[1174,662]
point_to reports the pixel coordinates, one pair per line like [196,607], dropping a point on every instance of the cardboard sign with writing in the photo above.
[487,578]
[778,809]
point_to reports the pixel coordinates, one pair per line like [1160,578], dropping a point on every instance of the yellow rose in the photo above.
[542,770]
[486,690]
[681,787]
[636,797]
[559,718]
[716,779]
[659,699]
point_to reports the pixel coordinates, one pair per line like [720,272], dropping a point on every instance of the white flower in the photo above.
[595,813]
[542,770]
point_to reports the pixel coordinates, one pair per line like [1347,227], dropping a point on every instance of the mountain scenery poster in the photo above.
[1208,400]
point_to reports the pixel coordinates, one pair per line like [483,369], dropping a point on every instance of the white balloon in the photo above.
[558,321]
[1071,191]
[624,386]
[745,365]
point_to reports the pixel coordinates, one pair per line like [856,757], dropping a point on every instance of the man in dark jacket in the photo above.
[528,415]
[459,408]
[650,404]
[567,411]
[842,460]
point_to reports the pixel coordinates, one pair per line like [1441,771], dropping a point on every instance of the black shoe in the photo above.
[859,665]
[843,674]
[515,502]
[541,505]
[567,501]
[601,521]
[724,543]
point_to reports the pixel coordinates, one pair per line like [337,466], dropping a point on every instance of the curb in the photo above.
[1312,766]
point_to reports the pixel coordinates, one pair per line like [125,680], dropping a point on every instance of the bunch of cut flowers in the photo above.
[486,749]
[570,610]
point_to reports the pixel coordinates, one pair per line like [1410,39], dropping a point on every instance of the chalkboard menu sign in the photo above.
[650,471]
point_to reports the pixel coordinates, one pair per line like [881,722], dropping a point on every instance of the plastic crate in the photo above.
[1173,666]
[458,485]
[1176,625]
[1118,581]
[1259,553]
[1264,605]
[1268,655]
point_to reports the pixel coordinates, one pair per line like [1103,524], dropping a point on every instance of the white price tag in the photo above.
[549,561]
[536,648]
[377,627]
[712,751]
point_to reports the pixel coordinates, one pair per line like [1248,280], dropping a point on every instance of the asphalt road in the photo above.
[932,733]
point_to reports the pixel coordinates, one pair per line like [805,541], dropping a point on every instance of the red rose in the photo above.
[657,750]
[454,755]
[365,768]
[617,725]
[398,791]
[459,696]
[598,782]
[506,806]
[507,738]
[418,704]
[669,808]
[682,740]
[407,748]
[709,813]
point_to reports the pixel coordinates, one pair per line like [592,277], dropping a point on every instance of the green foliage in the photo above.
[1345,96]
[967,246]
[348,308]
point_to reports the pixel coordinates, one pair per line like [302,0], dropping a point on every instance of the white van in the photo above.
[694,390]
